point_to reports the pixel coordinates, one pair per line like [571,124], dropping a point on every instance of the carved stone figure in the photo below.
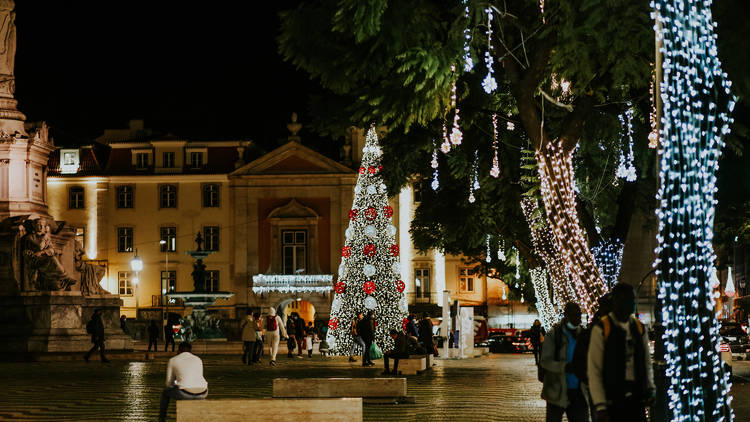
[199,276]
[91,274]
[42,269]
[7,47]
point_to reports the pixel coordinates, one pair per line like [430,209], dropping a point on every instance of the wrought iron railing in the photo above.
[292,283]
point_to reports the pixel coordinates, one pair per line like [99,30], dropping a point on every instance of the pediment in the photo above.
[292,158]
[292,209]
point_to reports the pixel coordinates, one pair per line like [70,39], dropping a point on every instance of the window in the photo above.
[211,238]
[125,196]
[75,196]
[196,159]
[294,251]
[168,160]
[210,195]
[212,281]
[81,235]
[466,277]
[168,281]
[124,239]
[141,160]
[422,282]
[168,196]
[169,234]
[125,282]
[69,162]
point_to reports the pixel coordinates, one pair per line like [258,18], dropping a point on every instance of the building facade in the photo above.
[275,222]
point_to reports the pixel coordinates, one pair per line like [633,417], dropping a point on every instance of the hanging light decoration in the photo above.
[474,184]
[468,61]
[608,256]
[626,168]
[489,84]
[445,147]
[456,135]
[547,313]
[501,250]
[434,164]
[488,254]
[495,170]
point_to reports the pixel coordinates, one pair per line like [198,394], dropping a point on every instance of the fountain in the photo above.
[200,325]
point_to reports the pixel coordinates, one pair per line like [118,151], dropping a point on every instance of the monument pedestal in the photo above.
[39,322]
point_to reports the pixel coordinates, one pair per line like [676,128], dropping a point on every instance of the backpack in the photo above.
[558,345]
[90,327]
[607,326]
[271,323]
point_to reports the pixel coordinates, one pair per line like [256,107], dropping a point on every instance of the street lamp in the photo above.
[165,289]
[136,264]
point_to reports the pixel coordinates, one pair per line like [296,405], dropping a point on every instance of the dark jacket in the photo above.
[366,329]
[400,346]
[537,331]
[290,327]
[299,325]
[425,333]
[153,331]
[97,328]
[411,328]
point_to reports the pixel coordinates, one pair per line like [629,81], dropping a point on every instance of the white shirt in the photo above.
[186,372]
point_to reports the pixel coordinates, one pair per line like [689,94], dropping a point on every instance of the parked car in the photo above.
[500,343]
[739,343]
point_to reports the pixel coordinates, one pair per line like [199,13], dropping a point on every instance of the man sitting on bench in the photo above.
[400,351]
[184,379]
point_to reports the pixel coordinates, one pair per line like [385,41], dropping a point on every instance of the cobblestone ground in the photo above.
[493,388]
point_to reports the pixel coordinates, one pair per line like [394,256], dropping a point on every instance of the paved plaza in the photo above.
[491,388]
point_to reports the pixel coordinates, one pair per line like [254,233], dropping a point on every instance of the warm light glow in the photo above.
[439,259]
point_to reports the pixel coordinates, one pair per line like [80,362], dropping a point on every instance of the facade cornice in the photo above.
[142,178]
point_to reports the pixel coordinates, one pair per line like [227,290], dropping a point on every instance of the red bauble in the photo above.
[371,213]
[353,213]
[400,286]
[333,323]
[361,170]
[340,287]
[404,323]
[394,250]
[369,250]
[388,211]
[369,287]
[346,251]
[372,170]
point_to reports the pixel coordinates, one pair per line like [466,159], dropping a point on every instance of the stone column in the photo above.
[11,120]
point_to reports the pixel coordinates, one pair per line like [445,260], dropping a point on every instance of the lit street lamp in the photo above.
[136,264]
[165,279]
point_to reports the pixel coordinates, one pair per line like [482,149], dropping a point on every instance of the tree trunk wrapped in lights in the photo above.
[696,97]
[369,274]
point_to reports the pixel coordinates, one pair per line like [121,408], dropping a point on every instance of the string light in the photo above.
[541,9]
[434,164]
[456,135]
[691,130]
[468,61]
[446,145]
[653,136]
[474,184]
[608,256]
[626,169]
[488,255]
[501,250]
[505,296]
[518,264]
[547,313]
[495,170]
[489,84]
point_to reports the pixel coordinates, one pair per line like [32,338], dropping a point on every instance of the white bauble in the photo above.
[396,267]
[370,231]
[383,188]
[349,233]
[357,189]
[370,303]
[371,190]
[391,230]
[403,305]
[369,270]
[342,270]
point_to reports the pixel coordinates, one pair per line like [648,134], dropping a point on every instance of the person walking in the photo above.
[95,327]
[185,379]
[299,334]
[561,387]
[400,351]
[366,330]
[356,338]
[537,337]
[291,329]
[153,335]
[309,338]
[274,331]
[621,377]
[425,334]
[259,338]
[168,336]
[248,338]
[124,324]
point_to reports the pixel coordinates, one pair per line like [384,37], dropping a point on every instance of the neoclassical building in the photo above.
[275,222]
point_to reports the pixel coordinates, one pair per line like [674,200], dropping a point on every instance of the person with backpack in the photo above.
[95,327]
[561,387]
[366,330]
[274,331]
[153,335]
[248,338]
[620,374]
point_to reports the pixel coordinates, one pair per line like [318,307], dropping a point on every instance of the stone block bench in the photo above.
[339,387]
[241,410]
[413,365]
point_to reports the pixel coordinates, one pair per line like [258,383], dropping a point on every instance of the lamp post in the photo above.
[165,289]
[136,264]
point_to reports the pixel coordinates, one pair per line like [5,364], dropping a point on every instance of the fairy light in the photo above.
[626,168]
[608,256]
[555,166]
[653,136]
[456,135]
[541,9]
[445,147]
[518,264]
[474,184]
[488,253]
[501,250]
[468,61]
[495,170]
[547,313]
[696,98]
[489,84]
[434,164]
[505,295]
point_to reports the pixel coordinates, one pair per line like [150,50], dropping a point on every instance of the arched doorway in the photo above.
[305,309]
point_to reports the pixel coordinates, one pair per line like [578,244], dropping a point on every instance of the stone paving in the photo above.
[492,388]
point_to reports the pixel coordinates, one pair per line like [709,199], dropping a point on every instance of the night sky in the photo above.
[194,69]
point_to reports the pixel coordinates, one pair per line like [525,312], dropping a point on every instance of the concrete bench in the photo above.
[242,410]
[339,387]
[413,365]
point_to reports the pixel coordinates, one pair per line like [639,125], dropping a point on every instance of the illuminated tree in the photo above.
[369,274]
[697,102]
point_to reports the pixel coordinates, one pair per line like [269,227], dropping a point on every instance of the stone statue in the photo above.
[199,276]
[42,270]
[7,47]
[91,274]
[199,241]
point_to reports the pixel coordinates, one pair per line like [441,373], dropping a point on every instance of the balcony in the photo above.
[422,297]
[292,283]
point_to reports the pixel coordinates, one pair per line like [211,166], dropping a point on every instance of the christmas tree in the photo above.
[369,274]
